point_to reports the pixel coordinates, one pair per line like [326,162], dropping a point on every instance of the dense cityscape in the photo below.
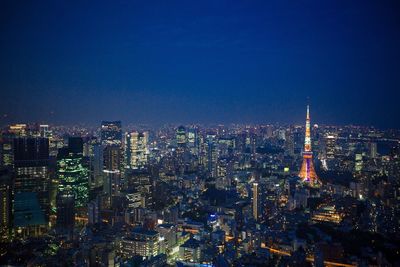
[193,195]
[213,133]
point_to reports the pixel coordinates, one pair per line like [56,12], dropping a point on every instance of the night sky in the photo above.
[213,61]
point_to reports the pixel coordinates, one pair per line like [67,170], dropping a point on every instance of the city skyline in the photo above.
[186,63]
[301,196]
[200,133]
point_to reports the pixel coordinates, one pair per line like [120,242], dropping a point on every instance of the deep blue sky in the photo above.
[200,61]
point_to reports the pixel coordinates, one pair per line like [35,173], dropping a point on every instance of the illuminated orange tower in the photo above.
[307,171]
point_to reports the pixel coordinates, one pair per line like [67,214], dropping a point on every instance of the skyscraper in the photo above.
[111,133]
[224,173]
[330,145]
[192,140]
[307,171]
[112,171]
[181,136]
[212,154]
[97,166]
[6,149]
[136,149]
[112,158]
[31,161]
[44,131]
[73,172]
[373,150]
[256,201]
[93,212]
[5,202]
[65,212]
[111,140]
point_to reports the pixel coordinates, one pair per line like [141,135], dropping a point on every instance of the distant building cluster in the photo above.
[194,195]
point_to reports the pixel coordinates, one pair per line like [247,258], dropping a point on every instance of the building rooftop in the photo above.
[191,243]
[141,230]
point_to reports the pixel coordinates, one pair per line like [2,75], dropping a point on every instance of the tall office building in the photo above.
[373,150]
[7,143]
[256,201]
[73,171]
[212,155]
[112,171]
[330,145]
[6,149]
[112,158]
[181,137]
[307,171]
[111,133]
[358,164]
[94,211]
[97,166]
[298,142]
[181,157]
[289,143]
[269,131]
[88,146]
[136,149]
[330,160]
[112,183]
[192,140]
[202,153]
[31,161]
[44,131]
[111,141]
[65,212]
[224,173]
[226,146]
[5,203]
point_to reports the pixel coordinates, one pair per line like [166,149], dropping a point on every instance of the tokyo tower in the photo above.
[307,171]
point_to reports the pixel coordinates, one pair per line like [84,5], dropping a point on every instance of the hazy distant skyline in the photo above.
[207,62]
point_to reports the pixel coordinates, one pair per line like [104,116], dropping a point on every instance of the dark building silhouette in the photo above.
[31,161]
[65,212]
[75,145]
